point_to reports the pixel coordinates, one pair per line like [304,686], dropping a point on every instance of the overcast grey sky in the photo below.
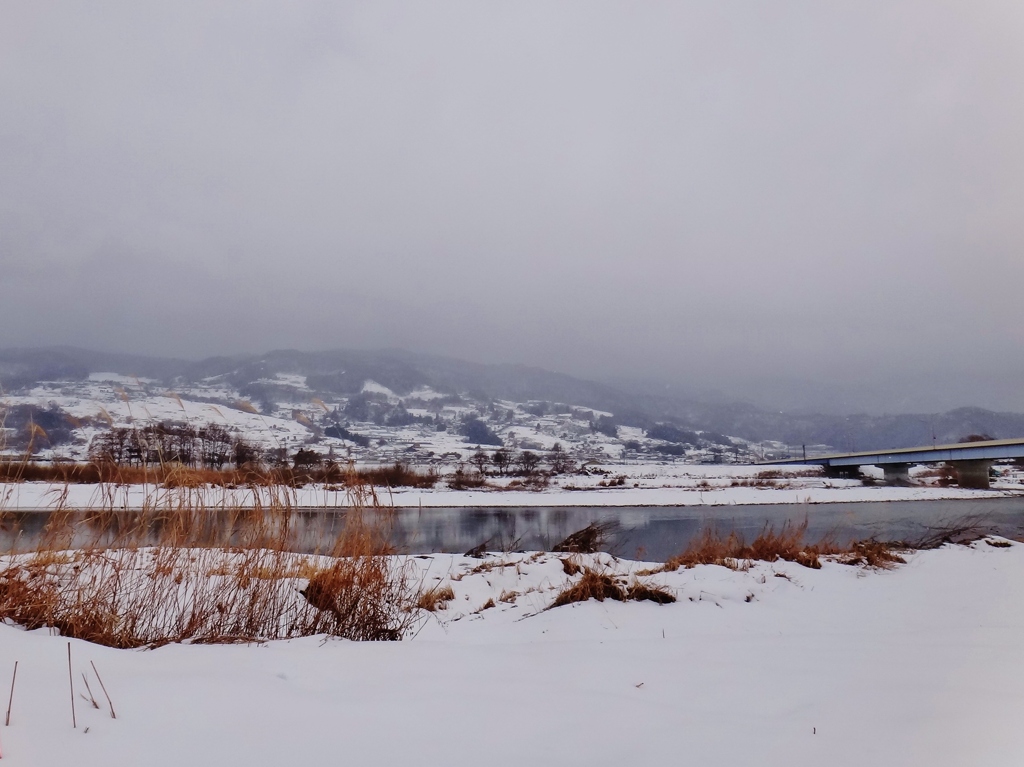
[714,193]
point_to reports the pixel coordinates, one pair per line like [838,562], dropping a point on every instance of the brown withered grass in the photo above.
[176,475]
[591,585]
[788,544]
[711,548]
[647,592]
[182,569]
[436,598]
[879,555]
[594,584]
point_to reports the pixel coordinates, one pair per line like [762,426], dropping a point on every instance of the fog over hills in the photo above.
[344,373]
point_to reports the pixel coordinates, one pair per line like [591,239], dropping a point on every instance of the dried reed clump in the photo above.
[359,598]
[871,553]
[171,475]
[961,530]
[646,592]
[589,540]
[467,480]
[592,585]
[570,566]
[181,570]
[602,586]
[436,598]
[711,548]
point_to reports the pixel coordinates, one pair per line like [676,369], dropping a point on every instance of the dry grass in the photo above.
[646,592]
[592,585]
[789,544]
[870,553]
[173,475]
[961,530]
[462,479]
[601,586]
[183,570]
[436,598]
[493,564]
[589,540]
[571,566]
[711,548]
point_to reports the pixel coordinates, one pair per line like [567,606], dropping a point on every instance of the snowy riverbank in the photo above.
[610,485]
[777,665]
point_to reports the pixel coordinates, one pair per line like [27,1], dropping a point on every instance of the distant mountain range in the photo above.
[344,372]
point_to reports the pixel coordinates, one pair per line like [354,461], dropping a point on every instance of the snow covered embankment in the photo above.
[774,665]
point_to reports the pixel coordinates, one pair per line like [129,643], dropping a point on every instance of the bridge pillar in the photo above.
[972,474]
[896,473]
[842,472]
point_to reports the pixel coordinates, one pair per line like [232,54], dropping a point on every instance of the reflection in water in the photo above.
[659,533]
[651,533]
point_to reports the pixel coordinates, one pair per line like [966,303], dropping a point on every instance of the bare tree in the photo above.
[480,459]
[528,463]
[560,461]
[502,460]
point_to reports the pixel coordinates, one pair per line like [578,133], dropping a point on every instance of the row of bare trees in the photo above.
[526,463]
[209,447]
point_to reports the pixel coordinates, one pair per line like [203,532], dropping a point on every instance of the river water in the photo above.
[655,533]
[651,533]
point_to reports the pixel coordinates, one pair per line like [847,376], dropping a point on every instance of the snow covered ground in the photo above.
[641,485]
[776,665]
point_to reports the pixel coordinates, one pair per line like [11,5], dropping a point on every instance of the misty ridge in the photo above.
[349,376]
[725,200]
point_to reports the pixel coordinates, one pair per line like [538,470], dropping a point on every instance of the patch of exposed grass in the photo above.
[602,586]
[436,598]
[640,592]
[570,566]
[871,553]
[593,585]
[789,544]
[711,548]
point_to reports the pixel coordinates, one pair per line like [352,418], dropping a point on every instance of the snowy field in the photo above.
[775,665]
[606,485]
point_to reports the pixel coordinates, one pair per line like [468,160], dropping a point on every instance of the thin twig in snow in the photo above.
[71,683]
[10,700]
[91,699]
[104,688]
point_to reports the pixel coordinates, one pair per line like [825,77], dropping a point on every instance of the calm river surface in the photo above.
[658,533]
[653,533]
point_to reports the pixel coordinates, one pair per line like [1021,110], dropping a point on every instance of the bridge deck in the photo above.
[989,450]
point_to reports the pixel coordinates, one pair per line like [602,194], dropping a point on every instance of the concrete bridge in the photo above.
[970,460]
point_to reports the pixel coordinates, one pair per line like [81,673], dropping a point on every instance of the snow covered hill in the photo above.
[373,425]
[387,406]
